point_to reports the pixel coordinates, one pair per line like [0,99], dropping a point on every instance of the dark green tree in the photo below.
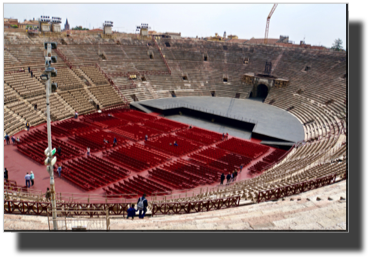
[338,45]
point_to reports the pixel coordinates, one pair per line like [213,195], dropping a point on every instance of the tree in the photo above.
[338,45]
[79,28]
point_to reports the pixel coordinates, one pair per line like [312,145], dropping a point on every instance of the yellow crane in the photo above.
[268,20]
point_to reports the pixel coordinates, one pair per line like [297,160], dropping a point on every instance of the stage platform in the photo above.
[268,122]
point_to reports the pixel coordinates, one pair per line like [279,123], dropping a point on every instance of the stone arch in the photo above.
[262,91]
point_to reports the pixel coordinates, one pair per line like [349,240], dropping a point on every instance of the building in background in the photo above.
[29,24]
[67,25]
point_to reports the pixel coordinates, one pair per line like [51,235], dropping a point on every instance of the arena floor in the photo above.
[18,164]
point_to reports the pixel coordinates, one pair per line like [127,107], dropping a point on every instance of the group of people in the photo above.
[225,136]
[29,179]
[105,141]
[231,177]
[174,144]
[142,205]
[8,139]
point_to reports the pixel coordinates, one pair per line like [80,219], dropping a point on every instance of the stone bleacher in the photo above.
[25,85]
[106,95]
[58,109]
[78,99]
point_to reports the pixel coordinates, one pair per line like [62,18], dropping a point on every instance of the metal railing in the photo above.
[293,189]
[195,207]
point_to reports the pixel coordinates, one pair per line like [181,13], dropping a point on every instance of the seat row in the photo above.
[166,144]
[137,157]
[137,186]
[245,148]
[92,172]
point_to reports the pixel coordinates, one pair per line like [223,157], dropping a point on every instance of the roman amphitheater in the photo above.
[282,105]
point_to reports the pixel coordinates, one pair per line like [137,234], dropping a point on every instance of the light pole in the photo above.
[50,161]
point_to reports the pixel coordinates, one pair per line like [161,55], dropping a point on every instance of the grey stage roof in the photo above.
[269,120]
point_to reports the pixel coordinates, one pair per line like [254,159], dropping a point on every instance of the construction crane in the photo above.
[268,20]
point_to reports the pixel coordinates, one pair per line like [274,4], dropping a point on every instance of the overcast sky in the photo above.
[319,24]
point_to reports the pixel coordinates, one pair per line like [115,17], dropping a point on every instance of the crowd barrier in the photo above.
[280,192]
[195,207]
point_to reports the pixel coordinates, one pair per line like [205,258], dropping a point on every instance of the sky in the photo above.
[318,24]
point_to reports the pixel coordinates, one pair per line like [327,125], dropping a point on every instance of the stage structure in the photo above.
[44,23]
[107,27]
[143,29]
[56,24]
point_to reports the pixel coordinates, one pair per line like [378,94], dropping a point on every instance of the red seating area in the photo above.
[163,144]
[95,140]
[105,121]
[57,131]
[91,172]
[36,150]
[33,136]
[267,161]
[200,159]
[74,127]
[173,124]
[224,160]
[159,126]
[165,174]
[140,115]
[200,131]
[258,167]
[137,132]
[136,157]
[172,180]
[131,117]
[274,156]
[197,173]
[137,186]
[245,148]
[201,137]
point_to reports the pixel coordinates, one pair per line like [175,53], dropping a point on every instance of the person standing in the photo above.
[59,169]
[76,114]
[29,69]
[114,141]
[47,194]
[88,151]
[6,138]
[27,126]
[222,178]
[31,74]
[223,136]
[241,168]
[5,174]
[59,150]
[146,138]
[13,139]
[226,135]
[27,180]
[228,178]
[142,204]
[235,174]
[32,178]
